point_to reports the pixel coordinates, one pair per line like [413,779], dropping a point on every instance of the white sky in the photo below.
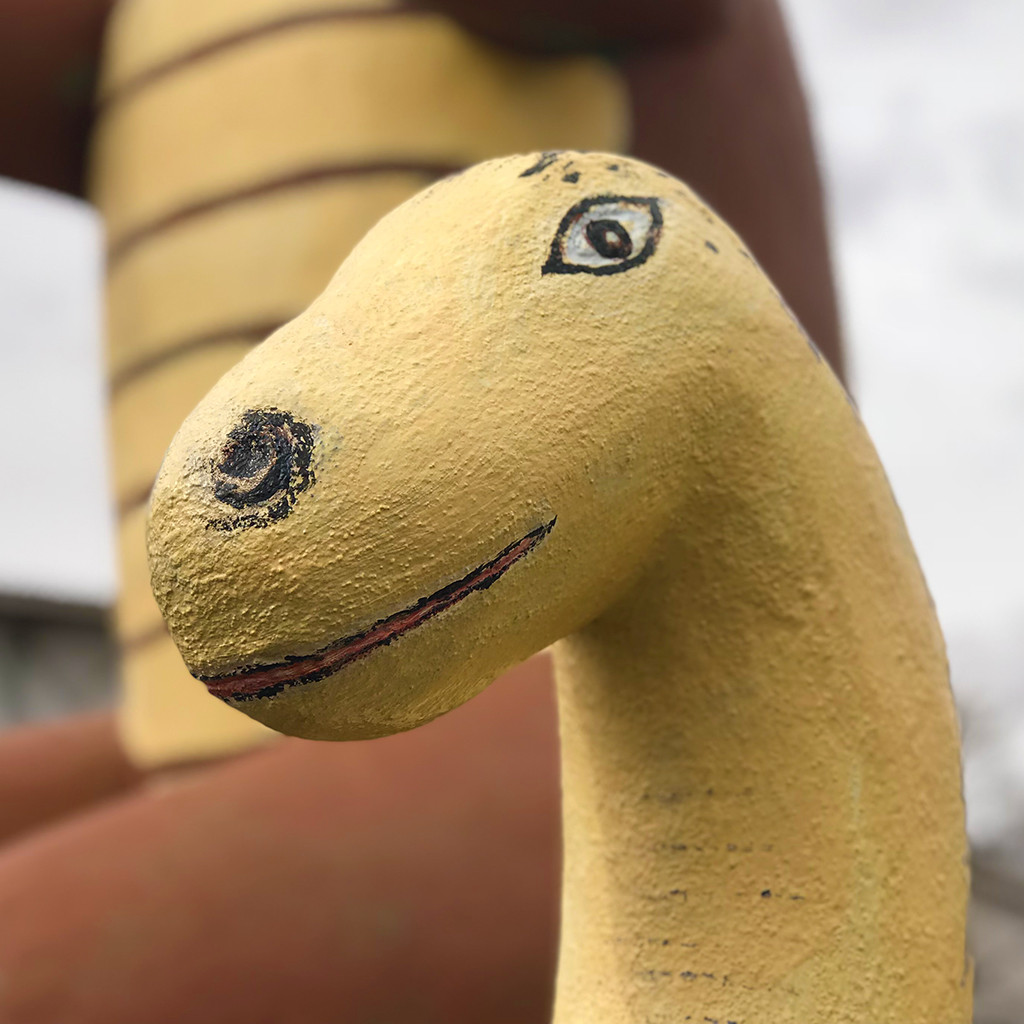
[55,533]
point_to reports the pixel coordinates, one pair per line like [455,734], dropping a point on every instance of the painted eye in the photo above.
[262,468]
[605,235]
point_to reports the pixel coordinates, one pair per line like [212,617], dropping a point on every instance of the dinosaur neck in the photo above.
[763,818]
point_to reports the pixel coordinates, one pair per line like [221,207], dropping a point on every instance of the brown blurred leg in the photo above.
[50,771]
[48,60]
[409,880]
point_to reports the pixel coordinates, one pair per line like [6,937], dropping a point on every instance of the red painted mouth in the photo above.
[267,680]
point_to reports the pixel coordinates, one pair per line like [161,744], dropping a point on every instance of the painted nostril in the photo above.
[256,462]
[263,466]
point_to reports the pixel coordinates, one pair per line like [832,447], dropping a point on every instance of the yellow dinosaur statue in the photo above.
[552,400]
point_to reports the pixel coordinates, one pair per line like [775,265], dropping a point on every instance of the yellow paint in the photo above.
[763,817]
[188,299]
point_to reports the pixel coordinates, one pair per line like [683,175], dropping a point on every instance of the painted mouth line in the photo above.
[267,680]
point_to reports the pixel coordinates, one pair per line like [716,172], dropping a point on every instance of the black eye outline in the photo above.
[263,467]
[557,262]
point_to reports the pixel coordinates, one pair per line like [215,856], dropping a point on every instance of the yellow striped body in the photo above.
[243,148]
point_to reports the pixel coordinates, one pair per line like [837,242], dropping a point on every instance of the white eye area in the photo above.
[605,235]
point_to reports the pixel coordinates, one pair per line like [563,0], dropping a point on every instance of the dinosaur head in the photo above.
[466,448]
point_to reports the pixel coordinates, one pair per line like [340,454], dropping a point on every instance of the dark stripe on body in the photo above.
[140,641]
[120,247]
[133,502]
[250,332]
[134,84]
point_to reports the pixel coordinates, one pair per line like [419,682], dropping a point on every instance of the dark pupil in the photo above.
[249,456]
[257,461]
[609,239]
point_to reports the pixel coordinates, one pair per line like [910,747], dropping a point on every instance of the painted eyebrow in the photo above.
[546,159]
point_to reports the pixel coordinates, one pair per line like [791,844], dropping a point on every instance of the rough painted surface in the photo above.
[761,777]
[239,156]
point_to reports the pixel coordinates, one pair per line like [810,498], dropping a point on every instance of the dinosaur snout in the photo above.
[262,468]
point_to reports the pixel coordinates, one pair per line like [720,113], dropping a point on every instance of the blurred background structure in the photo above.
[57,568]
[919,109]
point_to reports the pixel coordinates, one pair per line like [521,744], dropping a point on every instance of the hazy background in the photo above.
[919,107]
